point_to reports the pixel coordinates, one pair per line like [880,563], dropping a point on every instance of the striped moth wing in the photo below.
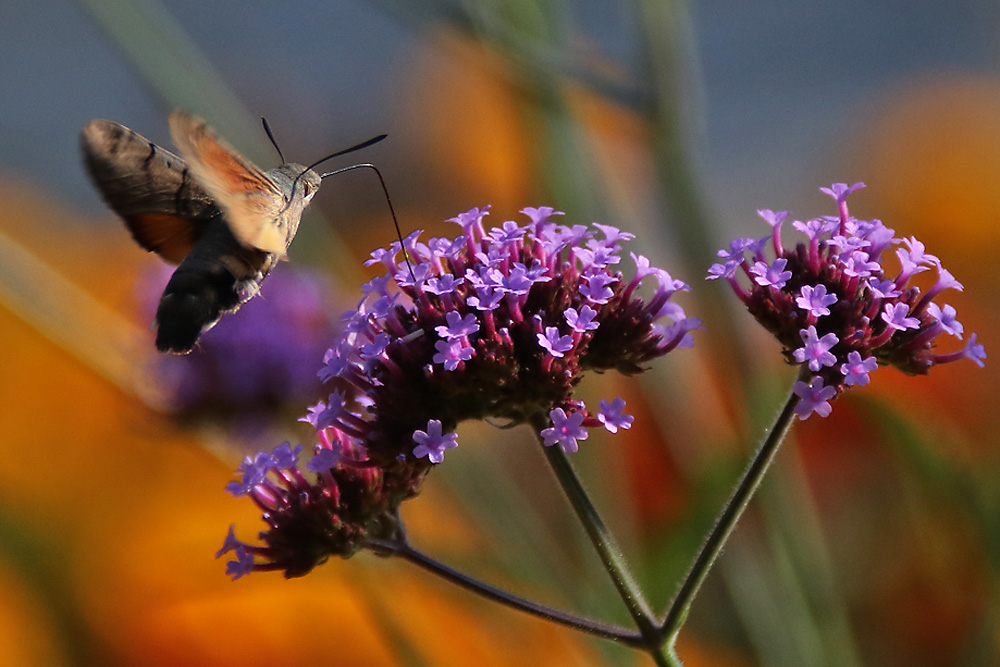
[214,213]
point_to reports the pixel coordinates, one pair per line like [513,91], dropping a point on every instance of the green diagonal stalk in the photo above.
[611,556]
[726,523]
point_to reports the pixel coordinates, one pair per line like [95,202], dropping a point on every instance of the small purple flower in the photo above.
[916,253]
[946,319]
[285,457]
[738,249]
[383,306]
[815,228]
[540,214]
[895,316]
[555,344]
[431,443]
[883,289]
[613,235]
[611,415]
[565,430]
[336,363]
[325,413]
[326,458]
[254,470]
[508,233]
[444,284]
[313,414]
[242,565]
[451,353]
[582,321]
[517,281]
[839,191]
[458,326]
[596,288]
[975,352]
[486,298]
[376,347]
[815,300]
[727,270]
[773,275]
[856,369]
[814,397]
[230,543]
[857,265]
[772,218]
[816,350]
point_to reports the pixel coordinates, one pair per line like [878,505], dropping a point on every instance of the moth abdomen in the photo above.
[193,301]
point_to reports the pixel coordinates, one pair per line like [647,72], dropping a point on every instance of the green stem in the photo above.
[611,556]
[726,523]
[404,550]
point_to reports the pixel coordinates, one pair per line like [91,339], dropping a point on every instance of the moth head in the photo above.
[309,181]
[300,183]
[304,177]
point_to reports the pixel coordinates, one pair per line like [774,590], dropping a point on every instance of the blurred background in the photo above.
[875,541]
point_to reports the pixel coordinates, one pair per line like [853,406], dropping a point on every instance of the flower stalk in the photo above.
[404,550]
[611,556]
[728,518]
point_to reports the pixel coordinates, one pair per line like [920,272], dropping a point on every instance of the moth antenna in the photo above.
[356,147]
[270,135]
[388,200]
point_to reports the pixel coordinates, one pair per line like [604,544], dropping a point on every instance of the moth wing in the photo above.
[149,187]
[252,201]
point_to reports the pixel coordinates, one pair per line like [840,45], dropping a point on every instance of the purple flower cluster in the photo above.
[836,308]
[499,324]
[336,512]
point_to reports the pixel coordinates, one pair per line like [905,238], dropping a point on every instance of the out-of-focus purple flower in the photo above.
[260,363]
[836,307]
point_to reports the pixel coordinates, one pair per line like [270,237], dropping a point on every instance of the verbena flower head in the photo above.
[494,324]
[836,307]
